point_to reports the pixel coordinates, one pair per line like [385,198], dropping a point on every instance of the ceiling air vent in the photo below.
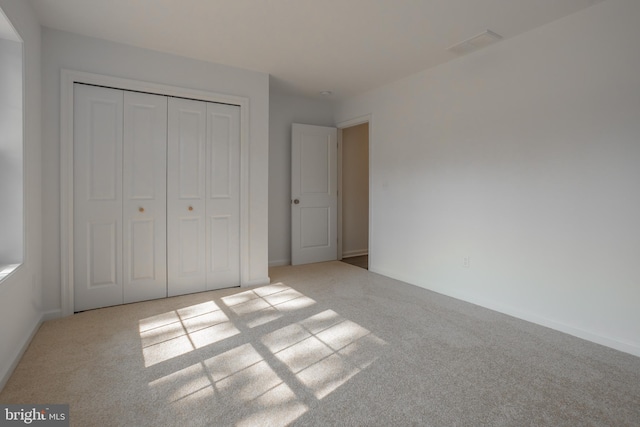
[483,39]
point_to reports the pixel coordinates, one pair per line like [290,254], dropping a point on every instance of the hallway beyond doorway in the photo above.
[359,261]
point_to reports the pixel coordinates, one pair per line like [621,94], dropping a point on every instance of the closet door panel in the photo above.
[186,192]
[144,190]
[223,196]
[97,207]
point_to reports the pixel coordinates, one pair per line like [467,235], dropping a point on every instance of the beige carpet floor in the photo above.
[325,344]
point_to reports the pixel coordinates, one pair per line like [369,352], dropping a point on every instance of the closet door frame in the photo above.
[68,79]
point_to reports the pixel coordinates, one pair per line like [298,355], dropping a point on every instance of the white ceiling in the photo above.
[346,46]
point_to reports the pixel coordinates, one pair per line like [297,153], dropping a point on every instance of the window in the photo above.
[11,149]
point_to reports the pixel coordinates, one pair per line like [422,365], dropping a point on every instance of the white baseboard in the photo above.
[257,282]
[558,326]
[20,352]
[627,347]
[555,325]
[51,314]
[355,252]
[279,262]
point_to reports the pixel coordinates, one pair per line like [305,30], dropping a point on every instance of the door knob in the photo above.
[190,208]
[141,209]
[296,201]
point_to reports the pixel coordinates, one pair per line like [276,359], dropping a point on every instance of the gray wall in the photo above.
[524,157]
[285,109]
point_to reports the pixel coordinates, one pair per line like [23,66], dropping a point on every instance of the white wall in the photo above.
[11,159]
[525,157]
[80,53]
[285,109]
[355,190]
[21,293]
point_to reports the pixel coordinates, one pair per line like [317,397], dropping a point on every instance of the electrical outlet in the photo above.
[466,262]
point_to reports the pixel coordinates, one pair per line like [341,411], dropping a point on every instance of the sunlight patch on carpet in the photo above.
[260,306]
[274,371]
[238,379]
[178,332]
[324,351]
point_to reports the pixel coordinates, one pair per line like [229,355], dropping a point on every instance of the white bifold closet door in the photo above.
[203,196]
[119,197]
[156,196]
[144,258]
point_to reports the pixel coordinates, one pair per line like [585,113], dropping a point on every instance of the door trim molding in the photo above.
[67,79]
[355,121]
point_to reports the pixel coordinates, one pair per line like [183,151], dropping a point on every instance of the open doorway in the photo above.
[353,200]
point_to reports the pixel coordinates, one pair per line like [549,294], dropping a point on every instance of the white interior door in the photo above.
[186,231]
[313,194]
[97,165]
[223,196]
[144,197]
